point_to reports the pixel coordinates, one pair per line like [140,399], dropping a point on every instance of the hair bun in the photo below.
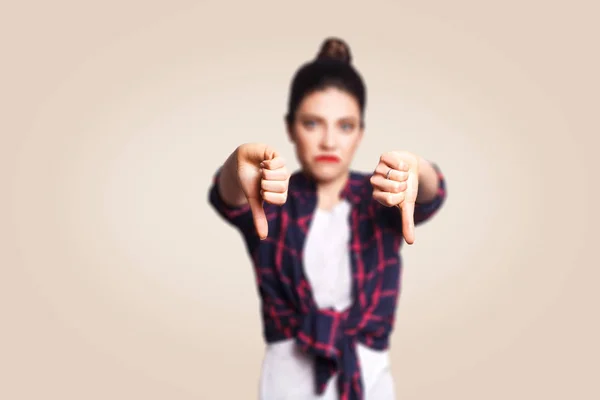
[335,49]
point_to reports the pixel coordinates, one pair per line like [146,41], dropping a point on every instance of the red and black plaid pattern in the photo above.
[288,307]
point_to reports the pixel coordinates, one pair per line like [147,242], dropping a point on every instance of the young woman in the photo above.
[325,241]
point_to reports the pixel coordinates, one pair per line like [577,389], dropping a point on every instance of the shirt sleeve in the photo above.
[424,211]
[238,216]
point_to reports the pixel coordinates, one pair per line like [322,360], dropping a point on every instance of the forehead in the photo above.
[330,103]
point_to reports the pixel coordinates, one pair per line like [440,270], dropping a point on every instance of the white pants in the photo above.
[288,374]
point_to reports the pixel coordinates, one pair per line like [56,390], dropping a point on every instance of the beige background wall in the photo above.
[114,116]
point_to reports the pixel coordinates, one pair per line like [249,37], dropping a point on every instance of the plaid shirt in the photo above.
[288,306]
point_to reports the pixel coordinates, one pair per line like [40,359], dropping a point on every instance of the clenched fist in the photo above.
[395,184]
[263,177]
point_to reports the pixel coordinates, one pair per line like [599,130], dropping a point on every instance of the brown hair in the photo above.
[335,49]
[332,67]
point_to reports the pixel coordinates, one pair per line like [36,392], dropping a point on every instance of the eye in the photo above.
[309,124]
[347,127]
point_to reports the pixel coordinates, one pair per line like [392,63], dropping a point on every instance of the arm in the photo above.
[429,182]
[228,183]
[431,192]
[223,198]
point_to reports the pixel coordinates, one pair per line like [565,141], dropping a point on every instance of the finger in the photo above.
[259,217]
[273,186]
[408,223]
[280,174]
[382,169]
[394,174]
[392,160]
[274,198]
[275,163]
[388,199]
[270,153]
[387,185]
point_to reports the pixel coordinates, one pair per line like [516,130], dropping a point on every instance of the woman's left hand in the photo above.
[395,184]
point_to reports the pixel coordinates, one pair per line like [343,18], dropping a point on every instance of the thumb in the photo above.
[269,153]
[260,219]
[257,152]
[408,222]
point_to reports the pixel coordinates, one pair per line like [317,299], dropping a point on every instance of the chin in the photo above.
[326,173]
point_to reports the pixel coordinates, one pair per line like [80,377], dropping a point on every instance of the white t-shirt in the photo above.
[287,373]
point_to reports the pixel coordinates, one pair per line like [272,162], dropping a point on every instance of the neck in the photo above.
[328,192]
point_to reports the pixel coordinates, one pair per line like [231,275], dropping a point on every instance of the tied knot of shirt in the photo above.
[330,336]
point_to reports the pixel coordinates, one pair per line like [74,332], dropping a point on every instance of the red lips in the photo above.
[328,159]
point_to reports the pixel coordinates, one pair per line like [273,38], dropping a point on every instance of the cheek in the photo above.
[305,144]
[350,143]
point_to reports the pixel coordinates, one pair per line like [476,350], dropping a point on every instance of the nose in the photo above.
[328,139]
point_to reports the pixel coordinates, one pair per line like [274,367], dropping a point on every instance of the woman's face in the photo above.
[326,132]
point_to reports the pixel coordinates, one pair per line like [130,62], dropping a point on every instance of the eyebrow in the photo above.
[313,116]
[310,116]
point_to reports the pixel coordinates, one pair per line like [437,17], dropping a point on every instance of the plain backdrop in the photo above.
[120,282]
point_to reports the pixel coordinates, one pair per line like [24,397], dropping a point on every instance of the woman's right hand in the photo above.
[263,177]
